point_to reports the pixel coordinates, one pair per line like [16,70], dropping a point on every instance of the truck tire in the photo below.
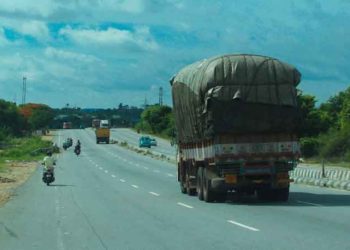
[208,194]
[190,191]
[200,183]
[264,194]
[183,187]
[281,194]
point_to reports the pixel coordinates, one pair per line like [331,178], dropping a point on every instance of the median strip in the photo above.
[242,225]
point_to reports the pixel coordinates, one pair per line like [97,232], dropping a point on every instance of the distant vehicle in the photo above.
[153,142]
[95,123]
[68,143]
[144,142]
[236,118]
[67,125]
[103,132]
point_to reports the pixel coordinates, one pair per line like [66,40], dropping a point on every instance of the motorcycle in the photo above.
[77,151]
[48,177]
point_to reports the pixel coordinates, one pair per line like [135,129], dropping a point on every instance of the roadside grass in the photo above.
[23,149]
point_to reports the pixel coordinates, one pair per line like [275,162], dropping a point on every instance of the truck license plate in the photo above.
[230,178]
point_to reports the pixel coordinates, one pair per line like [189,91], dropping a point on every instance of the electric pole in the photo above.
[24,90]
[160,96]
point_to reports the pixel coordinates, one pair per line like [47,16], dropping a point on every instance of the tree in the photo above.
[11,121]
[39,116]
[313,121]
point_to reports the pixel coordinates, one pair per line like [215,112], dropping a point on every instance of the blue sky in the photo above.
[98,53]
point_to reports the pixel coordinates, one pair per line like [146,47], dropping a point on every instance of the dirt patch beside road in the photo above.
[14,175]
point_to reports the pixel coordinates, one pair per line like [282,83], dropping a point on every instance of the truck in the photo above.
[67,125]
[95,123]
[102,132]
[236,123]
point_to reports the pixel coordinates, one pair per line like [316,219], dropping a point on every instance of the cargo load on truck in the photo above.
[236,118]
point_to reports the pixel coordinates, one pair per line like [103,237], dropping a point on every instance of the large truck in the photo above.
[236,119]
[103,132]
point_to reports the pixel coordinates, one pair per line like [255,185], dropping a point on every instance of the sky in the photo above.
[99,53]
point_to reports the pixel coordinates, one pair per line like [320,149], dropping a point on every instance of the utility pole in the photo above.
[24,90]
[161,96]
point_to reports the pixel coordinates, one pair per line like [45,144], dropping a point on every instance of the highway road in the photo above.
[112,198]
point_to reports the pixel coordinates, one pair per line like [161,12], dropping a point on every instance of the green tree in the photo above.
[41,117]
[11,121]
[313,121]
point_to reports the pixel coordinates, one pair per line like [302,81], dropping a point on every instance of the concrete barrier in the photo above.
[334,177]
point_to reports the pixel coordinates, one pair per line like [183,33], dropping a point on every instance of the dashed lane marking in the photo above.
[106,171]
[184,205]
[113,176]
[242,225]
[170,175]
[145,168]
[156,171]
[135,186]
[153,193]
[100,168]
[309,203]
[122,180]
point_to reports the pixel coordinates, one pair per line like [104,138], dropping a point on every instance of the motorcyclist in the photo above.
[77,147]
[49,163]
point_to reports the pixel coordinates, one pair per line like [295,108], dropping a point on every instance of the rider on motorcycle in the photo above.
[49,163]
[77,147]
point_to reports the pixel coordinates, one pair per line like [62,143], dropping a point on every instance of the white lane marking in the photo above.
[145,168]
[113,176]
[309,203]
[122,180]
[170,175]
[106,171]
[242,225]
[156,171]
[184,205]
[100,168]
[135,186]
[96,165]
[153,193]
[137,165]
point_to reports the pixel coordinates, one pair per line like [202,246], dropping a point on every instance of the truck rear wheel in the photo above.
[200,183]
[208,194]
[190,191]
[281,194]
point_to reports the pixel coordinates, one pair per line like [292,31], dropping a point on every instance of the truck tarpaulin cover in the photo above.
[235,94]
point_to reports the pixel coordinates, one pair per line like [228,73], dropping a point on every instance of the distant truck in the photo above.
[67,125]
[95,123]
[236,118]
[103,132]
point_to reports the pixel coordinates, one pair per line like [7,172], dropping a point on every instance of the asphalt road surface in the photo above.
[112,198]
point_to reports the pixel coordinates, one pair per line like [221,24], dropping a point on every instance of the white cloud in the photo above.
[60,54]
[36,29]
[140,37]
